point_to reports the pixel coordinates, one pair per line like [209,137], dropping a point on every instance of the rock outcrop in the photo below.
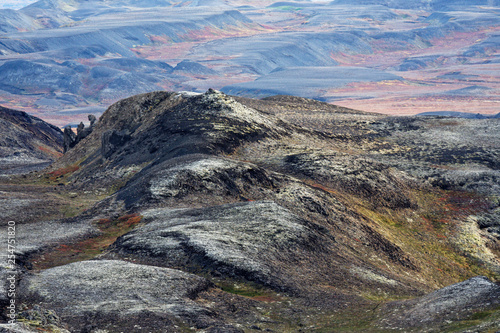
[117,295]
[451,303]
[160,126]
[259,241]
[71,139]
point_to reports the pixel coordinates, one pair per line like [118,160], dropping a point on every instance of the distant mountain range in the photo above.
[459,115]
[66,55]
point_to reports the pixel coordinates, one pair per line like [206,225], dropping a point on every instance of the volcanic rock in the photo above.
[259,241]
[70,139]
[116,294]
[454,302]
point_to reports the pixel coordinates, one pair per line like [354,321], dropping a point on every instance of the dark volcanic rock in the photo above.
[71,140]
[454,302]
[377,182]
[169,147]
[33,238]
[116,295]
[319,221]
[27,142]
[195,176]
[491,222]
[82,132]
[260,242]
[112,140]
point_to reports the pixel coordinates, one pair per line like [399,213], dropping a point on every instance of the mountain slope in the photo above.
[27,140]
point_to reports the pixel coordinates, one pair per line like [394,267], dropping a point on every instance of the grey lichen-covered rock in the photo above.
[454,302]
[175,181]
[39,319]
[196,178]
[448,153]
[33,237]
[377,182]
[321,220]
[20,328]
[258,241]
[117,295]
[491,222]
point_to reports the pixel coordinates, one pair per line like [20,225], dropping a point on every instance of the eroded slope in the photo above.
[26,141]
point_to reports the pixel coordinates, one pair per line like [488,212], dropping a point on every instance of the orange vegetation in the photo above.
[62,172]
[90,247]
[49,151]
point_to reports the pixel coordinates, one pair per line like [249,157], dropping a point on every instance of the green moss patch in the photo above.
[482,321]
[249,290]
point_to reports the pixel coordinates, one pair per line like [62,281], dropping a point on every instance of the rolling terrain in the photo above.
[184,212]
[384,56]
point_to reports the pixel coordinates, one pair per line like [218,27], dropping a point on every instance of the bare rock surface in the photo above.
[450,152]
[196,177]
[33,238]
[215,214]
[18,328]
[365,177]
[112,294]
[454,302]
[155,127]
[259,241]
